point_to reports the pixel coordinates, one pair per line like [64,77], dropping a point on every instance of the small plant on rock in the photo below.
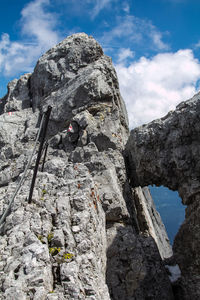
[49,237]
[54,251]
[44,192]
[40,238]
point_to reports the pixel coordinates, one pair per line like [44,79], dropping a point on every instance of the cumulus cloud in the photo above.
[39,23]
[152,87]
[137,30]
[39,35]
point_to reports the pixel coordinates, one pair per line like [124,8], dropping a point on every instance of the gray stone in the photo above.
[150,221]
[87,79]
[58,239]
[40,293]
[13,293]
[166,152]
[81,236]
[18,95]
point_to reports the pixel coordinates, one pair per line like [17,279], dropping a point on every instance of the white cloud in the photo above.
[100,4]
[39,35]
[152,87]
[137,31]
[125,27]
[38,23]
[126,7]
[197,45]
[124,54]
[157,38]
[85,8]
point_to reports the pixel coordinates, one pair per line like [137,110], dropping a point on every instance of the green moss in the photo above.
[40,238]
[50,236]
[67,256]
[44,191]
[54,251]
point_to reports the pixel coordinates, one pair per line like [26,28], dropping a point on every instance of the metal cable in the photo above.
[6,212]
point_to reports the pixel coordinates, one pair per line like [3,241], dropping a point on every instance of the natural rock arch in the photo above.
[166,152]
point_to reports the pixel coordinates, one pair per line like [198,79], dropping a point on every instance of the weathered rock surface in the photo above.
[150,221]
[18,95]
[86,234]
[74,76]
[166,152]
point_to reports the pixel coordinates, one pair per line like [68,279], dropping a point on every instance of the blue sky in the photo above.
[154,44]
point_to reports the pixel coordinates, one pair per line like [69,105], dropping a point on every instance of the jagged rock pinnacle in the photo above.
[86,234]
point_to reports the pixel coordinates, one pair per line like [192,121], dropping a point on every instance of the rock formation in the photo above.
[87,234]
[166,152]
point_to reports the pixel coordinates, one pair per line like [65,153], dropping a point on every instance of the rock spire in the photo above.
[87,234]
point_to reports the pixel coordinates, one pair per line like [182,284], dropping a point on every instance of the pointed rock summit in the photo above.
[73,76]
[87,233]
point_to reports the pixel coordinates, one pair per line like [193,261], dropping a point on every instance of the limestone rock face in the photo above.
[150,221]
[86,234]
[166,152]
[73,76]
[18,96]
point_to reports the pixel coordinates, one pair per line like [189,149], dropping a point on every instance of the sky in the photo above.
[154,45]
[172,212]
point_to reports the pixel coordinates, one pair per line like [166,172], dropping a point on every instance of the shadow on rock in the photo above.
[134,268]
